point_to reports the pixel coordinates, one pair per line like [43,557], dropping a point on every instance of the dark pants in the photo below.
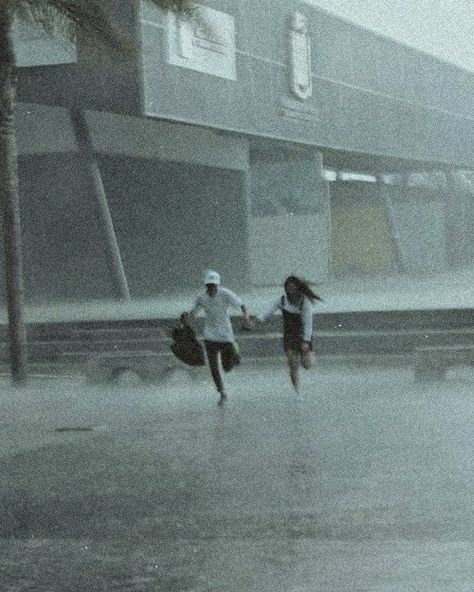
[229,358]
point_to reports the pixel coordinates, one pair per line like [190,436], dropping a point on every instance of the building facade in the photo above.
[262,139]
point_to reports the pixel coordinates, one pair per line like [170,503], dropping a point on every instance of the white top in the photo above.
[217,325]
[304,308]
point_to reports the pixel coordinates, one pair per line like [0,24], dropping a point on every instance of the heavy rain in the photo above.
[237,317]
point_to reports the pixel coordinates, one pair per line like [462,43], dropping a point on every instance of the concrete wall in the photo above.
[99,77]
[420,222]
[374,225]
[177,195]
[370,95]
[289,227]
[361,241]
[174,220]
[64,249]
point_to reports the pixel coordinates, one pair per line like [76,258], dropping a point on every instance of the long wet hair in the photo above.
[303,286]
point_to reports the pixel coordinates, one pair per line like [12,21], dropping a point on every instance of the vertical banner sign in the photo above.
[300,57]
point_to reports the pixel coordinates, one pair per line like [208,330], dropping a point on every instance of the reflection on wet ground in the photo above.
[363,482]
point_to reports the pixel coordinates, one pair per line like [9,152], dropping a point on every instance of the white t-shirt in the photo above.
[217,325]
[305,309]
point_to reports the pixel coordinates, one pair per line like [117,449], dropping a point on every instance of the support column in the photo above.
[396,241]
[114,258]
[246,247]
[324,196]
[455,230]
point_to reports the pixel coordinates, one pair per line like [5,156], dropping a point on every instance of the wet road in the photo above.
[364,482]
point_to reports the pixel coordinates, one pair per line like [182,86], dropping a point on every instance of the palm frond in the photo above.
[65,18]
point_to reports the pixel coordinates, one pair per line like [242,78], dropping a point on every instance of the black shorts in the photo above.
[229,355]
[292,330]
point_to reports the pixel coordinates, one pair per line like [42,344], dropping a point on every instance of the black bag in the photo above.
[186,347]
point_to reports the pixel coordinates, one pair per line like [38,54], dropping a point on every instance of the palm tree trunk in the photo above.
[9,201]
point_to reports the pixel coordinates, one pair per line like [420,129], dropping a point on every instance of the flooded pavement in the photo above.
[364,482]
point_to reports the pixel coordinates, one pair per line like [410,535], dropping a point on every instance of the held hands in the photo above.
[248,323]
[185,318]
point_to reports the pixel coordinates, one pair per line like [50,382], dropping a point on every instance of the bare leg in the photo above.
[294,367]
[212,350]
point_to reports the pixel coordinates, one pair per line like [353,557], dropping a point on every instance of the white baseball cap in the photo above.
[212,277]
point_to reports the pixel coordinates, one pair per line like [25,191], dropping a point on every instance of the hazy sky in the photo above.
[444,28]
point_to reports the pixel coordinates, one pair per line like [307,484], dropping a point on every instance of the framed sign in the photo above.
[204,42]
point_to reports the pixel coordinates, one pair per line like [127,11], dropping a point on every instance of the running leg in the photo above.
[212,350]
[307,360]
[230,358]
[294,366]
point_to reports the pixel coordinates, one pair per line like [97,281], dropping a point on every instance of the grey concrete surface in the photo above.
[364,482]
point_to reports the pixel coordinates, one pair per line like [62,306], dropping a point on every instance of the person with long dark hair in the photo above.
[296,306]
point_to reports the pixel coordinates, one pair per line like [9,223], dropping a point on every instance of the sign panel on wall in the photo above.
[204,42]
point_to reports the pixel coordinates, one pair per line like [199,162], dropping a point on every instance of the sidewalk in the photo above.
[445,290]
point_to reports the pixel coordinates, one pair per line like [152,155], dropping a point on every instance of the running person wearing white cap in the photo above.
[218,332]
